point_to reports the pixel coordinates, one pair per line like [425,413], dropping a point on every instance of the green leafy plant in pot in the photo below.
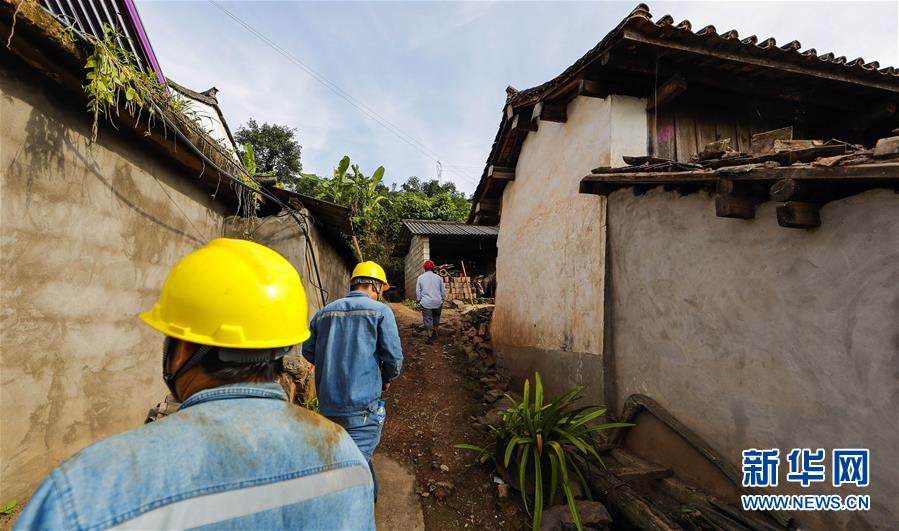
[545,445]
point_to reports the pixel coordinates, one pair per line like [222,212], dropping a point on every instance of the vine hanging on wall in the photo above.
[114,80]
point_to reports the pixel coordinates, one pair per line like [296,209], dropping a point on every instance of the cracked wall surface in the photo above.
[758,336]
[551,245]
[88,234]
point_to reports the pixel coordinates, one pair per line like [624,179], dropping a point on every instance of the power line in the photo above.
[333,87]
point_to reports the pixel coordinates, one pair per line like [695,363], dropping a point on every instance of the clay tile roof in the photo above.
[763,57]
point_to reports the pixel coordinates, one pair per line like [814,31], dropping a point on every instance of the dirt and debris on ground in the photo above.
[432,406]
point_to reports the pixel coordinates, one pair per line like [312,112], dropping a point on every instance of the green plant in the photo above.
[248,158]
[8,507]
[113,77]
[411,304]
[311,404]
[538,437]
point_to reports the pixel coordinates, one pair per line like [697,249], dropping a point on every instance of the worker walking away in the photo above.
[430,292]
[355,347]
[236,454]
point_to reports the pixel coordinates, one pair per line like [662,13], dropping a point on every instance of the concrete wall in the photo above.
[757,336]
[550,263]
[88,234]
[285,236]
[419,251]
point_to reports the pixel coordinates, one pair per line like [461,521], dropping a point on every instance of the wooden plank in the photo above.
[501,173]
[765,62]
[755,189]
[764,142]
[805,191]
[790,145]
[745,137]
[643,159]
[706,132]
[621,497]
[799,215]
[726,127]
[872,175]
[664,133]
[629,473]
[685,135]
[666,92]
[734,206]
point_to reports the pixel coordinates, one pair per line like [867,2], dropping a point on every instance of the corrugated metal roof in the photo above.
[425,227]
[447,228]
[89,16]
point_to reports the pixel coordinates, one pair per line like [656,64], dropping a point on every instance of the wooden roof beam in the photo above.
[765,62]
[618,64]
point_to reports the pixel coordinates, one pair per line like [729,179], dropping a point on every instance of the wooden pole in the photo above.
[467,284]
[358,250]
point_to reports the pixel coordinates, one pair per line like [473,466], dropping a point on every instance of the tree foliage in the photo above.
[378,211]
[276,148]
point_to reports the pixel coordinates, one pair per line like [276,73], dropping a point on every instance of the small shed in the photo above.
[445,243]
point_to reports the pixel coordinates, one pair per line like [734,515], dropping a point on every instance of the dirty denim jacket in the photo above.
[236,456]
[355,347]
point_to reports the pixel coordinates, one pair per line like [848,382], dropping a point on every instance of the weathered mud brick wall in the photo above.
[88,234]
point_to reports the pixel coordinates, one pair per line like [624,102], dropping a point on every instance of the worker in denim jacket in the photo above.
[355,347]
[236,454]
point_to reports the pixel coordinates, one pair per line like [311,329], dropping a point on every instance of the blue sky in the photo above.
[437,71]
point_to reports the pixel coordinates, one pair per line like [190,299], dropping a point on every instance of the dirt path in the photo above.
[429,410]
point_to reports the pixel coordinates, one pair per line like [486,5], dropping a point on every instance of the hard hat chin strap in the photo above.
[234,355]
[195,358]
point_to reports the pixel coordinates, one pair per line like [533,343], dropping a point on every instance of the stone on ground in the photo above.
[593,515]
[398,506]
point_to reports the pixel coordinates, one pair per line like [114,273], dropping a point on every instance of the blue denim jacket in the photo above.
[236,456]
[355,347]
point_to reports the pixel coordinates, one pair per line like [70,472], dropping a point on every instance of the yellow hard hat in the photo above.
[232,294]
[370,269]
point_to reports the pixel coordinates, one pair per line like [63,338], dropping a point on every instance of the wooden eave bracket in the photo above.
[801,193]
[551,112]
[666,93]
[486,206]
[501,173]
[591,89]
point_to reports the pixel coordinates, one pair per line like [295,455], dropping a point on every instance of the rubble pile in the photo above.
[482,364]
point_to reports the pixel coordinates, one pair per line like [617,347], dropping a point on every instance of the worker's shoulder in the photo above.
[355,303]
[205,448]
